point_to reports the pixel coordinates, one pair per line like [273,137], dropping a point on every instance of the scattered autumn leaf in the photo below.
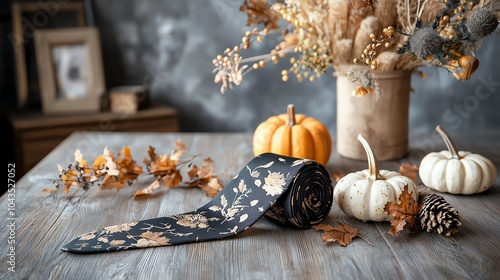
[77,174]
[49,191]
[129,169]
[337,175]
[212,187]
[172,179]
[404,213]
[205,178]
[116,174]
[410,171]
[343,233]
[149,189]
[152,155]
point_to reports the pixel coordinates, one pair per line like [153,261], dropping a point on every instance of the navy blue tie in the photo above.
[289,191]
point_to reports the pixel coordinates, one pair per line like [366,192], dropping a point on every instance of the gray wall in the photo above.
[169,45]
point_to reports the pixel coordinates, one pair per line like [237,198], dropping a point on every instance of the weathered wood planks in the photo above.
[45,223]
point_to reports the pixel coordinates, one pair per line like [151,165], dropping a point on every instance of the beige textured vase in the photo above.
[383,122]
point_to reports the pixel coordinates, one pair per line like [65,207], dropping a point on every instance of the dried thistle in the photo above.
[426,42]
[481,22]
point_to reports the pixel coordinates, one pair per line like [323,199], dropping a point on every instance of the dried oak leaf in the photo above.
[106,169]
[164,168]
[259,11]
[76,175]
[105,165]
[343,233]
[149,189]
[163,165]
[129,169]
[205,178]
[404,213]
[172,179]
[410,171]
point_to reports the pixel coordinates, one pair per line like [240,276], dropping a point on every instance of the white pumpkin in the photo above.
[364,194]
[456,172]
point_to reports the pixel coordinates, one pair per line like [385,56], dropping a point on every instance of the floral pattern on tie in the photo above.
[261,187]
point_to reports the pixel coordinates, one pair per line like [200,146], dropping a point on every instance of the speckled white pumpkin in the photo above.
[456,172]
[364,194]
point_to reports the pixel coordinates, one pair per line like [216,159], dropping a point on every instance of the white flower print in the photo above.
[102,239]
[116,242]
[119,228]
[274,183]
[87,236]
[254,173]
[257,182]
[299,162]
[152,239]
[192,220]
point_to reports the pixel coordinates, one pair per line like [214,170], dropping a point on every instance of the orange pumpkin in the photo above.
[294,135]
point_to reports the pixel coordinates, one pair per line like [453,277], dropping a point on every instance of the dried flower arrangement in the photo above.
[384,34]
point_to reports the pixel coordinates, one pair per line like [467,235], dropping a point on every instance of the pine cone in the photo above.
[437,214]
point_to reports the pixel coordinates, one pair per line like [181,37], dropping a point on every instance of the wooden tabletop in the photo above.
[265,251]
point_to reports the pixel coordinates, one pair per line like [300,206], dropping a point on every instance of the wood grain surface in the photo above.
[265,251]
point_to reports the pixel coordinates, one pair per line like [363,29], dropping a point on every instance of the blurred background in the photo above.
[167,48]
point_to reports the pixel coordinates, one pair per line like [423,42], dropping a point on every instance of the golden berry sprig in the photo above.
[370,51]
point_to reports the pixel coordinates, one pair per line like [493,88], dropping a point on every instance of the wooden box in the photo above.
[128,99]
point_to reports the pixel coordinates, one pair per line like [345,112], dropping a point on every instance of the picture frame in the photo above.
[70,68]
[27,17]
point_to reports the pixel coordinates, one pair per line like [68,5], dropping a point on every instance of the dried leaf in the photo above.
[110,182]
[172,179]
[117,174]
[149,189]
[205,178]
[76,175]
[180,149]
[207,169]
[162,166]
[79,158]
[410,171]
[129,169]
[404,213]
[343,233]
[152,155]
[259,11]
[70,178]
[49,191]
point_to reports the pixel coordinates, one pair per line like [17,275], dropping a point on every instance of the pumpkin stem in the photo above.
[373,168]
[449,142]
[291,115]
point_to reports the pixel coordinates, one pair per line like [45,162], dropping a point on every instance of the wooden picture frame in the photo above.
[70,67]
[26,18]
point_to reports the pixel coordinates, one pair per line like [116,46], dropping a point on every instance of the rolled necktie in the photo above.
[289,191]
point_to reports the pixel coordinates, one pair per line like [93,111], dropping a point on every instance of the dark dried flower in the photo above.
[426,42]
[482,22]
